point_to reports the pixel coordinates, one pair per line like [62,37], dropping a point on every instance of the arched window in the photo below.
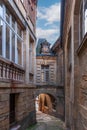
[83,19]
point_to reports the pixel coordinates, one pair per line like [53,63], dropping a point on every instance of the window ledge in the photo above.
[83,45]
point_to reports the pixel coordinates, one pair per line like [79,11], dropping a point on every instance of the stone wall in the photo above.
[75,53]
[24,107]
[82,95]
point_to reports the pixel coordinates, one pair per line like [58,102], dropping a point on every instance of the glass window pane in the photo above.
[7,42]
[30,56]
[1,26]
[45,73]
[19,50]
[47,76]
[19,30]
[13,23]
[1,9]
[7,16]
[85,16]
[13,47]
[42,76]
[81,22]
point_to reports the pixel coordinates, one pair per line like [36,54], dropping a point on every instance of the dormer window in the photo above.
[45,48]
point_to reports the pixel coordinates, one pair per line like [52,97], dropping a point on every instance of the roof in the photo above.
[41,42]
[39,45]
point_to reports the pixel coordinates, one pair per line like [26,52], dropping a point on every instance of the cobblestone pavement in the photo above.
[47,122]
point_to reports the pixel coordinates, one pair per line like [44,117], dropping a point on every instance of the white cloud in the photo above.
[49,34]
[50,14]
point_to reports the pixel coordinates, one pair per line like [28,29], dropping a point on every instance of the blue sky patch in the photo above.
[48,20]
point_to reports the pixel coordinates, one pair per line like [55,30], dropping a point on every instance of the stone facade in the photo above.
[75,51]
[50,85]
[17,77]
[47,59]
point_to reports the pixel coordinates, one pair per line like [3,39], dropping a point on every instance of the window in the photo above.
[31,55]
[1,9]
[1,27]
[19,30]
[83,19]
[13,46]
[45,73]
[7,42]
[7,16]
[10,36]
[13,23]
[19,51]
[85,13]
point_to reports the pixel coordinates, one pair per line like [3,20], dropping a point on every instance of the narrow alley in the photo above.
[43,64]
[47,122]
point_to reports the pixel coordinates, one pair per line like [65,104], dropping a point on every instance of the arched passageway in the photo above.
[46,103]
[53,101]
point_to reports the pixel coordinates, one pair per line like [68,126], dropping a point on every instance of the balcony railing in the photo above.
[10,72]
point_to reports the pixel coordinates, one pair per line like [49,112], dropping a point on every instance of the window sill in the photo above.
[83,45]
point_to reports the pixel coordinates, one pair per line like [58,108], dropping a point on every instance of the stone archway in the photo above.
[56,98]
[47,103]
[51,91]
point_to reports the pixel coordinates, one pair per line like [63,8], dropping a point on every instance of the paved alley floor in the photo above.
[47,122]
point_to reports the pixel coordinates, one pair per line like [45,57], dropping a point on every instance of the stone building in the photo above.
[46,65]
[74,42]
[17,63]
[49,81]
[45,73]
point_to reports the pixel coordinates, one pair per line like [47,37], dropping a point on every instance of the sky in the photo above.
[48,20]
